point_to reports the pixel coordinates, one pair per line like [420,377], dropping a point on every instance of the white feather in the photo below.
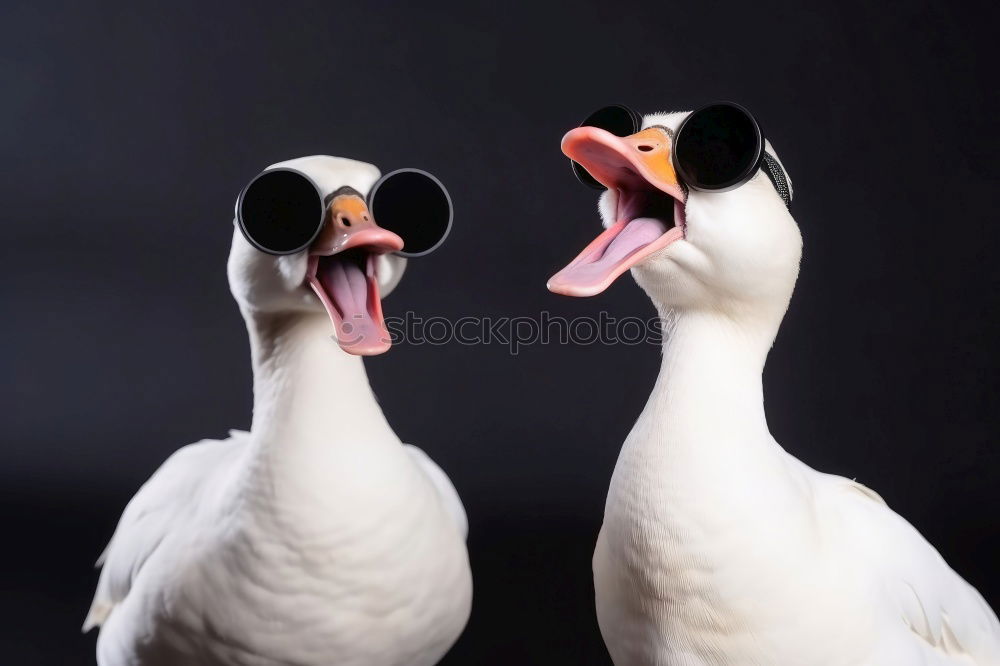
[160,506]
[719,548]
[315,538]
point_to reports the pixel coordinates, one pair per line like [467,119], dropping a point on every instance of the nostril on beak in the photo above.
[645,147]
[343,220]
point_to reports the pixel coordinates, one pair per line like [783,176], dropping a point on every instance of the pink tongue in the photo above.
[347,289]
[601,263]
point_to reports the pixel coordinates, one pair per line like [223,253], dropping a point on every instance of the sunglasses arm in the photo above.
[777,177]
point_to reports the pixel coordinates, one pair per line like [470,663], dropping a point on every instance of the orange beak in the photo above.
[638,160]
[350,224]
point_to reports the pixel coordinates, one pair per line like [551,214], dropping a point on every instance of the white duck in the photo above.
[717,546]
[317,537]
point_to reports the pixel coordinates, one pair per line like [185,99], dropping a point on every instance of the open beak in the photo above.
[650,208]
[343,271]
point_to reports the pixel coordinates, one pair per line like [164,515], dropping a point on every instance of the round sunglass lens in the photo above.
[414,205]
[280,212]
[617,119]
[718,147]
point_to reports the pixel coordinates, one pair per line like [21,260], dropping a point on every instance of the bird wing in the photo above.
[449,496]
[943,613]
[160,504]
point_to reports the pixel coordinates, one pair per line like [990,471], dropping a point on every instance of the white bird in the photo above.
[317,537]
[718,547]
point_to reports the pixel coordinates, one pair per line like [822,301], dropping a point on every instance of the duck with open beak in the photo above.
[353,247]
[645,194]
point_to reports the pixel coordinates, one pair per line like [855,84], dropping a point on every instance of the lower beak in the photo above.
[343,272]
[650,205]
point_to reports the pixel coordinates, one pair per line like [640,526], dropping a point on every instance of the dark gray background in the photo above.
[126,133]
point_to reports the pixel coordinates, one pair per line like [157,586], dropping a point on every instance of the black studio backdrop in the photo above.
[127,131]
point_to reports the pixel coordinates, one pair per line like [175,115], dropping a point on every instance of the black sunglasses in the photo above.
[717,148]
[282,211]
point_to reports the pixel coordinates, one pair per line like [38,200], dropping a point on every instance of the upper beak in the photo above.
[631,163]
[350,224]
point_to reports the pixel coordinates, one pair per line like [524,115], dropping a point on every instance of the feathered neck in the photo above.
[709,383]
[314,411]
[702,442]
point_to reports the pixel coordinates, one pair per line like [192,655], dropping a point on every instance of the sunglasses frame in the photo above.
[242,225]
[763,160]
[735,182]
[369,201]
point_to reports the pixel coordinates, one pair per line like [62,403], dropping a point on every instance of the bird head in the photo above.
[346,264]
[731,249]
